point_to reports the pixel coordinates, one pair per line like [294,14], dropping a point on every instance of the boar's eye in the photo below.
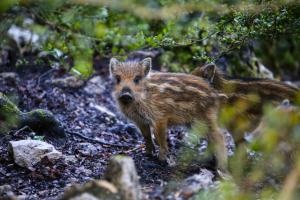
[137,79]
[118,79]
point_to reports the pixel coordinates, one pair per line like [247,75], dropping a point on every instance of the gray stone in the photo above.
[21,35]
[4,57]
[122,173]
[27,153]
[68,82]
[93,189]
[195,183]
[94,86]
[10,78]
[84,196]
[6,192]
[70,159]
[87,149]
[83,170]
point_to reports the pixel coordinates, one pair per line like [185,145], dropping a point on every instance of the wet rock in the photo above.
[262,70]
[230,144]
[195,183]
[10,78]
[25,39]
[27,153]
[85,196]
[68,82]
[6,193]
[4,57]
[94,86]
[21,35]
[92,190]
[70,159]
[83,170]
[122,173]
[87,149]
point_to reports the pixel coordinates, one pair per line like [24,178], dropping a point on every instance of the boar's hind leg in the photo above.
[146,131]
[217,141]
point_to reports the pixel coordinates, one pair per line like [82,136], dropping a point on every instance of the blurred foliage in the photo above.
[268,167]
[190,32]
[235,34]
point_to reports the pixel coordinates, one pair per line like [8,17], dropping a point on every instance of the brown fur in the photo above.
[253,94]
[165,99]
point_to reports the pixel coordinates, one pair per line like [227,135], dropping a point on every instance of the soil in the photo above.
[78,110]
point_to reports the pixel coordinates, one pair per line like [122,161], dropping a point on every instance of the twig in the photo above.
[44,74]
[231,48]
[95,140]
[22,129]
[82,161]
[135,149]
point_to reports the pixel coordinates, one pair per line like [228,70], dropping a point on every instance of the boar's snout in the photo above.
[126,96]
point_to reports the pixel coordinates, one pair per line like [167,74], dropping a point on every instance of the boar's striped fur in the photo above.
[155,101]
[242,91]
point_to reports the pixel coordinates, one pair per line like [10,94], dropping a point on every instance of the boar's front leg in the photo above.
[160,132]
[146,131]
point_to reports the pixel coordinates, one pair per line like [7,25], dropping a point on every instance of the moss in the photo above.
[7,107]
[9,114]
[39,120]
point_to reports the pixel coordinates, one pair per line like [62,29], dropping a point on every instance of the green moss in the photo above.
[9,114]
[7,107]
[38,120]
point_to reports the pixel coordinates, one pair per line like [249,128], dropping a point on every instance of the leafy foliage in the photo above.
[237,35]
[189,32]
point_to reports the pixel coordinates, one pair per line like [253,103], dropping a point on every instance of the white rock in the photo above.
[84,196]
[195,183]
[22,35]
[263,71]
[27,153]
[94,86]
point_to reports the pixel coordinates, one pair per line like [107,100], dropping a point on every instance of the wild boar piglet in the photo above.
[156,100]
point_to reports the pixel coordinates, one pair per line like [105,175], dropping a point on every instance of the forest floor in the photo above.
[88,109]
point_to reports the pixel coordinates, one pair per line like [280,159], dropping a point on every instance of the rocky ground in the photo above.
[86,108]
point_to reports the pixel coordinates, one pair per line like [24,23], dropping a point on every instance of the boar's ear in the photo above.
[147,65]
[209,71]
[113,65]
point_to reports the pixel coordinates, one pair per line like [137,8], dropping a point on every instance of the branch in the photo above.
[95,140]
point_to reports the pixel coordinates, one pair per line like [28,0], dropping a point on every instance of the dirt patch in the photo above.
[92,114]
